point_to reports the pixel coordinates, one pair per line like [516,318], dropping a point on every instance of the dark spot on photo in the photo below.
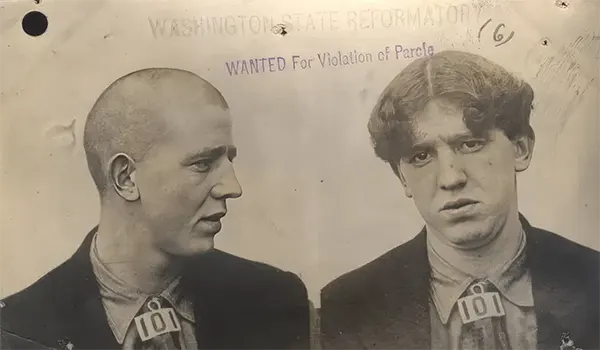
[35,23]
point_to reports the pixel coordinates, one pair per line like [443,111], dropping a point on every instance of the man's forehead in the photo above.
[197,118]
[437,121]
[191,131]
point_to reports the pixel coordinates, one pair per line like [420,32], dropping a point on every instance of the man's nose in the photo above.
[227,185]
[451,174]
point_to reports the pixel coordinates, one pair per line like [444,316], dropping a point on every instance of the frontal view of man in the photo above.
[160,150]
[454,128]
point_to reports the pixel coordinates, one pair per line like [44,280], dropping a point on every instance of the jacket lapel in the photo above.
[553,299]
[84,322]
[409,304]
[206,337]
[412,326]
[553,296]
[198,282]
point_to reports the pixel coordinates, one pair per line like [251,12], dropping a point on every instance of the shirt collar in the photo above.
[449,282]
[122,302]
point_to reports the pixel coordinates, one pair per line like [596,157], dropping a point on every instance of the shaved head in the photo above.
[132,115]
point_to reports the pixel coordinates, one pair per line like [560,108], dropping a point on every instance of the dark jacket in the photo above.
[385,304]
[239,304]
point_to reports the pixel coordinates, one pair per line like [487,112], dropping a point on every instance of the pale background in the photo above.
[317,202]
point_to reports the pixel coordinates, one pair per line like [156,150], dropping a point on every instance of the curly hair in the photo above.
[489,96]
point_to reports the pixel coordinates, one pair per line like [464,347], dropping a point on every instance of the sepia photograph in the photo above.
[233,174]
[159,148]
[455,130]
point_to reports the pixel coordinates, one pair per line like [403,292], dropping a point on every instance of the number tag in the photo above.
[479,306]
[157,322]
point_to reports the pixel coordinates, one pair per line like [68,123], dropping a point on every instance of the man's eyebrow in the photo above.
[211,153]
[452,139]
[460,137]
[421,145]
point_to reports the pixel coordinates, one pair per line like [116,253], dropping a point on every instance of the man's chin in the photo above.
[201,245]
[468,235]
[194,247]
[207,228]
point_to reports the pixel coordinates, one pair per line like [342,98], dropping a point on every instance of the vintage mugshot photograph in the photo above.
[234,174]
[494,146]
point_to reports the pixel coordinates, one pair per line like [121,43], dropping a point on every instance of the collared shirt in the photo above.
[513,281]
[122,303]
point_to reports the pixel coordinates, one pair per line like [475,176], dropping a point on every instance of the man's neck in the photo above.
[478,262]
[124,248]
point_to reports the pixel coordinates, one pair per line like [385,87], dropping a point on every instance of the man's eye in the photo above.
[420,158]
[203,165]
[471,146]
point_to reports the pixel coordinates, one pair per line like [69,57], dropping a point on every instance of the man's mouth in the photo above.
[457,204]
[214,217]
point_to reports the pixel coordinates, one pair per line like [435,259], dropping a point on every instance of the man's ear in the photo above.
[523,149]
[396,169]
[121,168]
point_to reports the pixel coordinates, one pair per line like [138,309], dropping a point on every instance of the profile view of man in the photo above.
[454,128]
[159,148]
